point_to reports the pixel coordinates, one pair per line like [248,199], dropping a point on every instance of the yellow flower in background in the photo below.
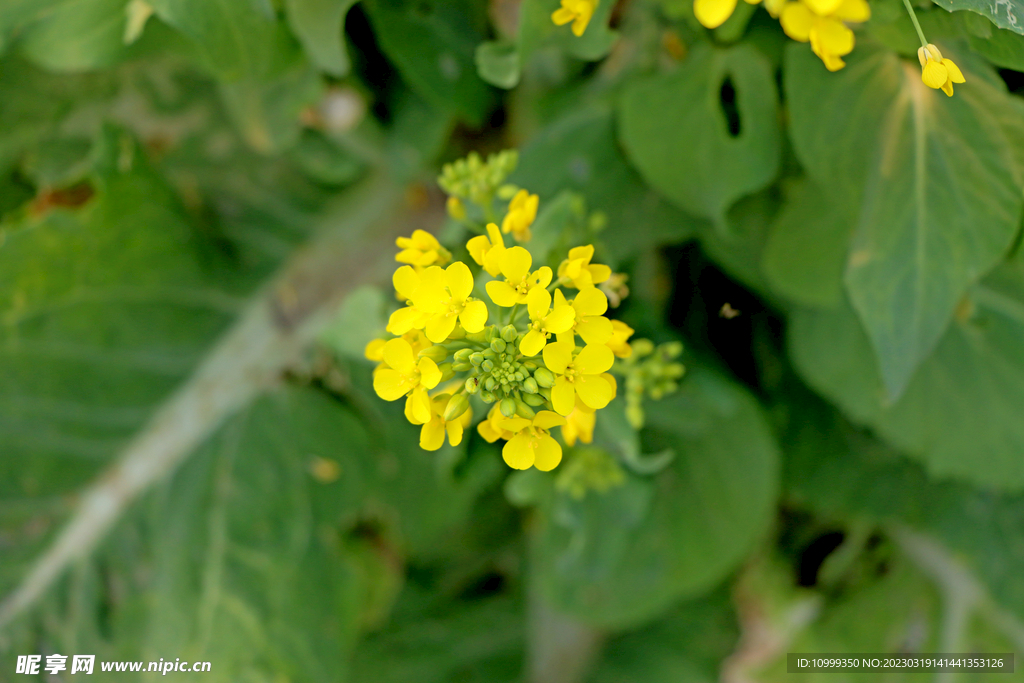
[820,22]
[588,316]
[404,376]
[532,446]
[522,211]
[937,71]
[544,320]
[581,375]
[515,266]
[491,428]
[580,271]
[487,250]
[619,342]
[444,296]
[713,13]
[433,431]
[578,12]
[375,350]
[421,250]
[579,424]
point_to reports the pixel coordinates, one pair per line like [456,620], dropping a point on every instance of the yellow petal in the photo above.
[560,319]
[419,406]
[424,241]
[934,74]
[454,429]
[600,272]
[823,8]
[563,16]
[488,431]
[478,246]
[513,424]
[375,350]
[404,319]
[501,293]
[406,281]
[559,298]
[953,71]
[832,37]
[547,454]
[390,385]
[557,356]
[532,343]
[796,21]
[595,330]
[594,359]
[713,13]
[584,253]
[546,419]
[515,264]
[947,88]
[459,280]
[538,303]
[590,302]
[541,277]
[832,62]
[432,435]
[517,453]
[594,391]
[430,374]
[473,316]
[857,11]
[398,355]
[563,395]
[440,326]
[492,260]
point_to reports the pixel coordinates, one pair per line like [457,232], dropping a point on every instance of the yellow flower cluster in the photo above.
[542,363]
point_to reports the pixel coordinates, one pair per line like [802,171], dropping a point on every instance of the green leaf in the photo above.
[960,414]
[931,183]
[578,152]
[77,36]
[433,46]
[1008,14]
[319,26]
[624,556]
[15,15]
[497,62]
[266,112]
[1003,48]
[806,249]
[691,142]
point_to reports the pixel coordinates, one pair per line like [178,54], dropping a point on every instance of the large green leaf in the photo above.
[77,35]
[1008,14]
[932,185]
[624,556]
[962,412]
[319,25]
[433,45]
[677,131]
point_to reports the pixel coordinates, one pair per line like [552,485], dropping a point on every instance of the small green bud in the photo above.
[544,377]
[498,345]
[461,367]
[530,385]
[487,397]
[492,333]
[642,347]
[507,406]
[446,371]
[517,376]
[436,353]
[487,365]
[509,333]
[672,349]
[472,385]
[476,358]
[489,354]
[457,405]
[477,337]
[535,400]
[523,410]
[462,355]
[530,365]
[490,383]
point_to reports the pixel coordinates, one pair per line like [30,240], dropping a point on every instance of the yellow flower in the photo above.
[421,250]
[532,446]
[491,428]
[580,271]
[713,13]
[432,433]
[522,211]
[619,343]
[938,72]
[578,12]
[407,282]
[417,340]
[375,350]
[588,321]
[579,424]
[403,376]
[580,376]
[515,266]
[488,252]
[821,23]
[544,320]
[444,296]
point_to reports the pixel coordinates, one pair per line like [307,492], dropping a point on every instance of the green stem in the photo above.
[917,26]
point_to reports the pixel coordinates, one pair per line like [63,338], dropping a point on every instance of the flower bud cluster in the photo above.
[652,371]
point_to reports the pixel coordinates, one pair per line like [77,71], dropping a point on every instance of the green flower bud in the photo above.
[509,333]
[535,400]
[490,383]
[490,354]
[642,347]
[544,377]
[436,353]
[476,358]
[446,371]
[472,385]
[487,397]
[457,405]
[487,365]
[530,365]
[517,376]
[477,336]
[461,367]
[523,410]
[507,406]
[462,355]
[492,333]
[530,385]
[498,345]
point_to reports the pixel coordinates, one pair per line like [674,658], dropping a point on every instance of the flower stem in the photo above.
[917,26]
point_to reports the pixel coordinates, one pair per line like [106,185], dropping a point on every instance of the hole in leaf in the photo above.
[814,555]
[727,99]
